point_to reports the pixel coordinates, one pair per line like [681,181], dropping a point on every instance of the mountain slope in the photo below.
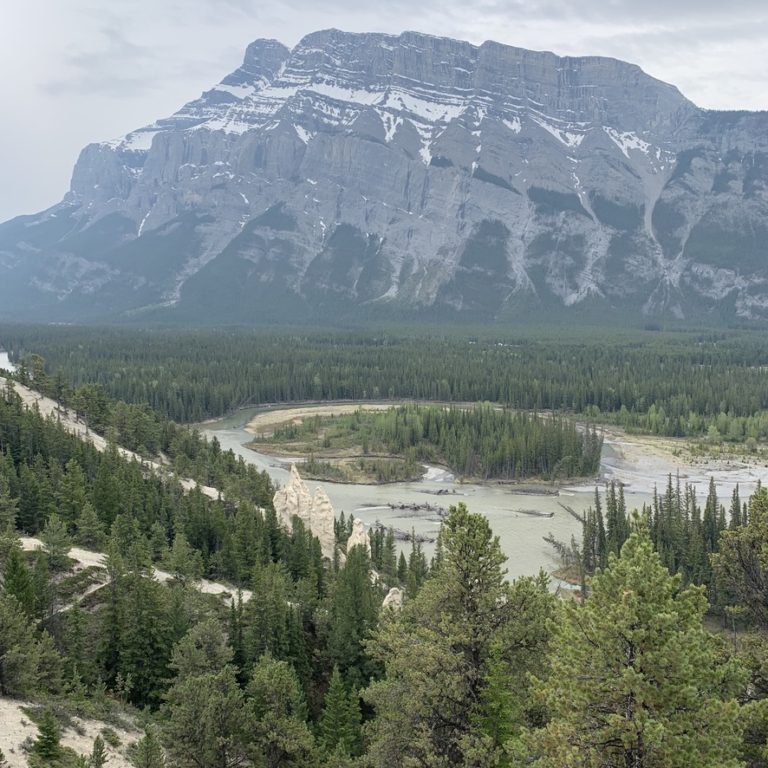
[369,175]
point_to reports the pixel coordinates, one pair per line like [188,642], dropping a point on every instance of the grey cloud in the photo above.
[116,62]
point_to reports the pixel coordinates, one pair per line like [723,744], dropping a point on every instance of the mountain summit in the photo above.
[371,175]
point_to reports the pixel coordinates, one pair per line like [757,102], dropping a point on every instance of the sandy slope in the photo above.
[16,727]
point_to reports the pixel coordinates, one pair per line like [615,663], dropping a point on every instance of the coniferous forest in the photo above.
[683,383]
[657,661]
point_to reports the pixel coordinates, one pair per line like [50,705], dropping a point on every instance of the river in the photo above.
[510,514]
[641,464]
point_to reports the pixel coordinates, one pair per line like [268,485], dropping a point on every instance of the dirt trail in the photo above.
[86,558]
[72,424]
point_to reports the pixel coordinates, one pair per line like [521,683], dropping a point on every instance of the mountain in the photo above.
[370,175]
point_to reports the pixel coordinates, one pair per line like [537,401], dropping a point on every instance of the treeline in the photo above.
[685,533]
[675,384]
[481,441]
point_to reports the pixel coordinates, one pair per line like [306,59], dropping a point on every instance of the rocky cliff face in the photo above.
[377,175]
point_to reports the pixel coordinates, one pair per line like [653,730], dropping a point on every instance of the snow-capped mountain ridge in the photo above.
[415,172]
[247,101]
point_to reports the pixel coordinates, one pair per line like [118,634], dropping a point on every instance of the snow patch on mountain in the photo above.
[627,140]
[569,138]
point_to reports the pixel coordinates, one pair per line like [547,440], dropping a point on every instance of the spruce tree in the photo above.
[9,506]
[147,752]
[47,746]
[635,679]
[19,652]
[354,612]
[73,494]
[185,563]
[89,531]
[99,755]
[56,542]
[144,648]
[17,580]
[339,727]
[402,569]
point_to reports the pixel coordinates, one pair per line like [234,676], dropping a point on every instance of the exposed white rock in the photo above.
[394,599]
[358,536]
[294,500]
[321,521]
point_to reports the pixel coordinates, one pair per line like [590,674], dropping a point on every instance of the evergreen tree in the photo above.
[19,653]
[77,647]
[56,543]
[158,542]
[47,746]
[635,680]
[18,582]
[89,531]
[339,727]
[735,516]
[147,752]
[185,563]
[208,722]
[72,495]
[742,563]
[280,734]
[9,506]
[417,567]
[144,642]
[99,755]
[354,612]
[402,568]
[454,653]
[235,637]
[266,620]
[601,545]
[203,650]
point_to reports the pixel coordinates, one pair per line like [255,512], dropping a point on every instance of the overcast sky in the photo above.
[77,71]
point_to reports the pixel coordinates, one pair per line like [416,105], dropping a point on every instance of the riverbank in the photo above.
[644,462]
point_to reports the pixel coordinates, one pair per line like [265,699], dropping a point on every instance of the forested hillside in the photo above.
[311,671]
